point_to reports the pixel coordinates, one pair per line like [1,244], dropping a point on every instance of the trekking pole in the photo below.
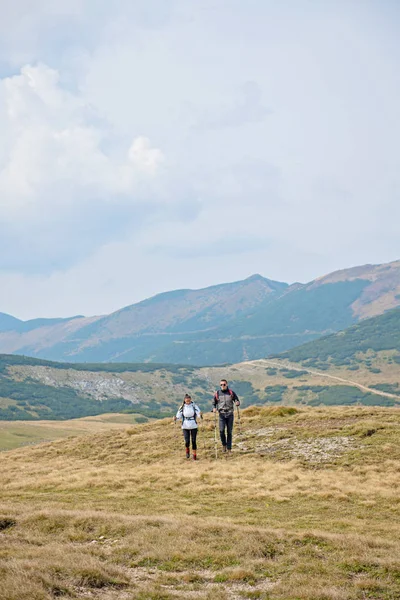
[215,435]
[177,443]
[204,439]
[239,424]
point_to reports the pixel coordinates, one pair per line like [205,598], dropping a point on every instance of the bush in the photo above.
[344,395]
[292,374]
[275,393]
[391,388]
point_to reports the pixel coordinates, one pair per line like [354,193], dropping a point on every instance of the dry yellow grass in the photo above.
[14,434]
[307,507]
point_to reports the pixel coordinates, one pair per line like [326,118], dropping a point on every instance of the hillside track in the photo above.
[365,388]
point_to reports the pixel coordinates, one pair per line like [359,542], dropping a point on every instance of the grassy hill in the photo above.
[306,508]
[226,323]
[348,347]
[16,434]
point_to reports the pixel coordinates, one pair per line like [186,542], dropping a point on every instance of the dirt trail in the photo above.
[322,374]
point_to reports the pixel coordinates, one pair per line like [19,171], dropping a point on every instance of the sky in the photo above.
[151,145]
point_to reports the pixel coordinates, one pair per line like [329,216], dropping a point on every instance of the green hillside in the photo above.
[345,348]
[26,397]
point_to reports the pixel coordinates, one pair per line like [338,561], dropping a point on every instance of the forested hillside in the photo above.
[347,347]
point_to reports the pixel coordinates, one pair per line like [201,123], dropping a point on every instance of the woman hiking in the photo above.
[188,413]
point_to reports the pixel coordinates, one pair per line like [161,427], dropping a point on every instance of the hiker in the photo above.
[224,402]
[188,413]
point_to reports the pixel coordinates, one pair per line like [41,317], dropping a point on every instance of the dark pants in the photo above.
[226,422]
[186,434]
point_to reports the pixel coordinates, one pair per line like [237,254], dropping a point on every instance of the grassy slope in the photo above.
[307,507]
[376,334]
[14,434]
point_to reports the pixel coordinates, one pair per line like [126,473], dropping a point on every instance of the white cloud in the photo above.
[53,140]
[26,25]
[144,157]
[61,165]
[247,108]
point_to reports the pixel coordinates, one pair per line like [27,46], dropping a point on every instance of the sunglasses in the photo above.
[223,384]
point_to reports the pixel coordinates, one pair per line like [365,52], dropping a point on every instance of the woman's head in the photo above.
[187,399]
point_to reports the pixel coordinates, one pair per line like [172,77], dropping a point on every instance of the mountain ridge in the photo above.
[226,322]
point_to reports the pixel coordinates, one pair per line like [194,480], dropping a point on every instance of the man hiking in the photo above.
[224,402]
[188,413]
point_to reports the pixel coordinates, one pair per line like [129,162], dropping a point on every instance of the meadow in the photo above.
[14,434]
[306,507]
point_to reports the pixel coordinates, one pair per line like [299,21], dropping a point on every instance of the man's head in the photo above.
[223,384]
[187,399]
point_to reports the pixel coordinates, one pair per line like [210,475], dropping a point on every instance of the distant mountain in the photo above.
[187,311]
[8,323]
[382,292]
[225,323]
[138,331]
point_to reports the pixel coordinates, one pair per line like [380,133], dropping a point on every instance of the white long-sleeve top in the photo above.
[189,413]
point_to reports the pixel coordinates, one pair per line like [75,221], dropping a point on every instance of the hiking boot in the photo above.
[223,448]
[194,455]
[187,454]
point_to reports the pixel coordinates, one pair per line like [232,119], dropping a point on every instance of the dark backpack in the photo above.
[216,395]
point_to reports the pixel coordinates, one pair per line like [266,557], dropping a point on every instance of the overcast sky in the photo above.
[149,145]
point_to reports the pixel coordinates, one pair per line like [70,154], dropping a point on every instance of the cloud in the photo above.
[66,184]
[144,157]
[26,28]
[246,108]
[51,29]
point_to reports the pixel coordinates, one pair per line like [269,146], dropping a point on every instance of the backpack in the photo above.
[194,418]
[216,395]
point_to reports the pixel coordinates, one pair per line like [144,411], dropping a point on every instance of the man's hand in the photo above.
[237,402]
[214,409]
